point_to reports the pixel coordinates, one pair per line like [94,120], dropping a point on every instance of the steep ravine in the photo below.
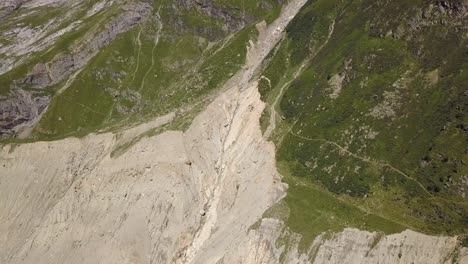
[177,197]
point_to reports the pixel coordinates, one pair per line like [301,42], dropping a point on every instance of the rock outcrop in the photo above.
[228,18]
[18,113]
[232,22]
[8,6]
[454,7]
[348,246]
[62,65]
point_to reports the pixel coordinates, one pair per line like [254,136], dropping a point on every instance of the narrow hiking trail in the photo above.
[273,113]
[138,41]
[155,44]
[369,160]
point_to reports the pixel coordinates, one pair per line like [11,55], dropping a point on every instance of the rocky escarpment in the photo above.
[272,242]
[229,18]
[455,7]
[8,6]
[62,65]
[176,197]
[231,22]
[18,112]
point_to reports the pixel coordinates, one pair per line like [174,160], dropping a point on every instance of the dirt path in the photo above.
[273,113]
[138,41]
[69,82]
[138,56]
[156,42]
[369,160]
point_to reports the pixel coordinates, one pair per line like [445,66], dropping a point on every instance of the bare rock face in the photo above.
[349,246]
[63,65]
[22,108]
[354,246]
[232,19]
[8,6]
[207,7]
[39,76]
[18,110]
[454,7]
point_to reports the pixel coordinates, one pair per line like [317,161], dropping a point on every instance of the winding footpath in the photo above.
[273,113]
[369,160]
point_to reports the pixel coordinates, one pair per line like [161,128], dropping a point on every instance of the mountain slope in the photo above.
[157,116]
[374,111]
[113,60]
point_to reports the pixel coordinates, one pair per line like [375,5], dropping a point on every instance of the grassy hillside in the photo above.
[173,58]
[378,116]
[151,70]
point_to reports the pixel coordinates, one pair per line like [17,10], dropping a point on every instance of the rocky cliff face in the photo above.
[8,6]
[232,23]
[19,112]
[62,65]
[348,246]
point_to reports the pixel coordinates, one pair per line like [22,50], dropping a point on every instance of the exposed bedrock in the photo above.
[18,112]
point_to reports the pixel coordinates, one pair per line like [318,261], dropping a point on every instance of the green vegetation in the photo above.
[376,125]
[119,84]
[134,79]
[63,45]
[314,210]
